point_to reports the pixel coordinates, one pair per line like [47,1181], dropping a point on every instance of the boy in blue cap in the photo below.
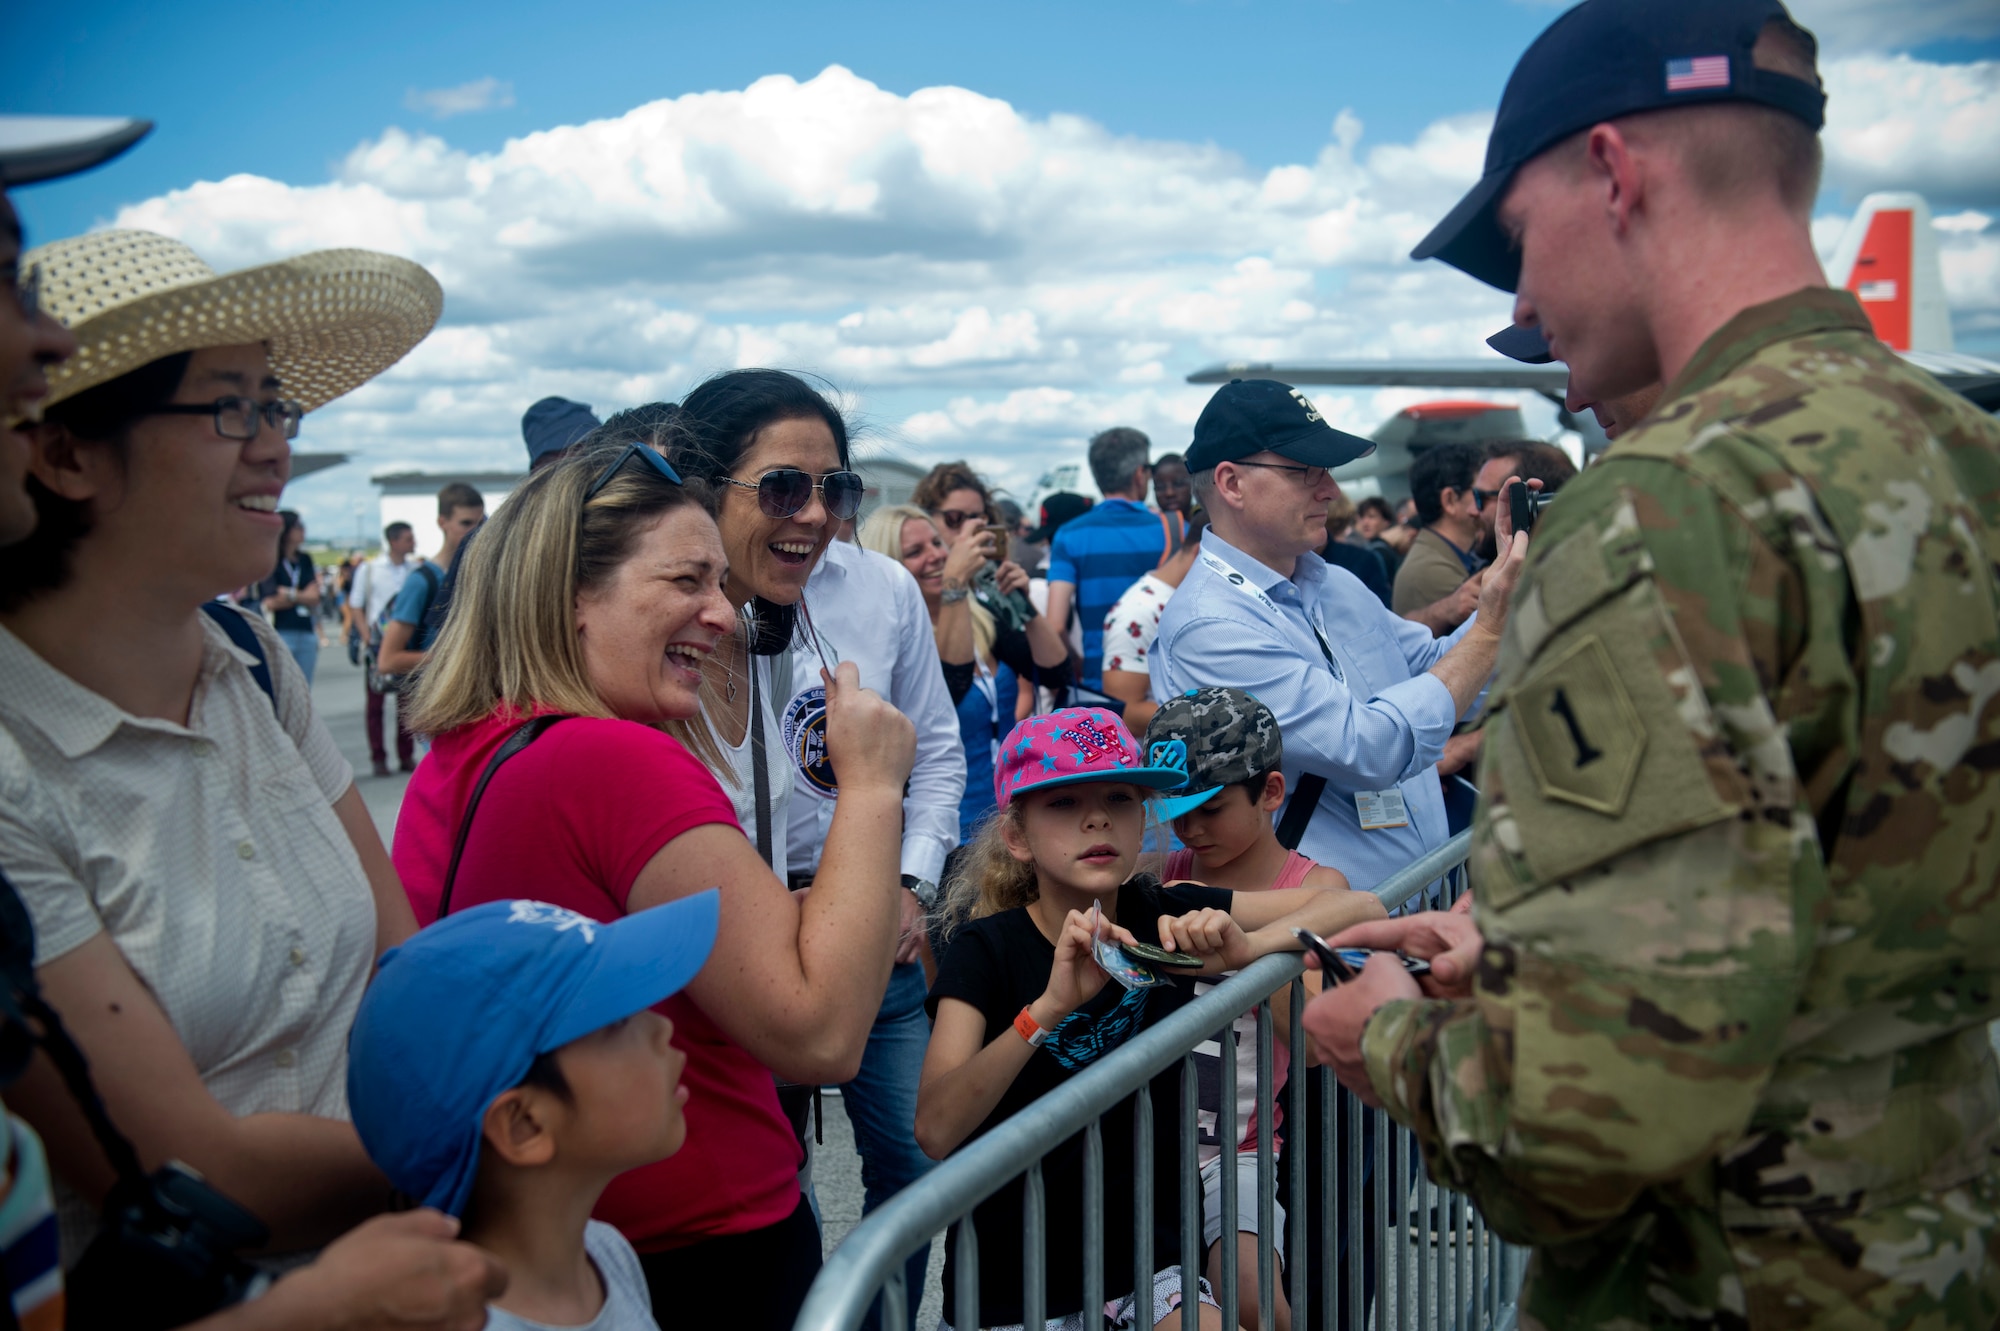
[506,1065]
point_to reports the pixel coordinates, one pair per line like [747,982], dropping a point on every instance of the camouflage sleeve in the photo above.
[1643,857]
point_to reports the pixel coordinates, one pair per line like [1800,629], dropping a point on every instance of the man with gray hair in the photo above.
[1095,557]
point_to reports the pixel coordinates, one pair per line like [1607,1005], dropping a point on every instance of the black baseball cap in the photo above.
[1521,343]
[1252,415]
[36,148]
[1057,509]
[1601,60]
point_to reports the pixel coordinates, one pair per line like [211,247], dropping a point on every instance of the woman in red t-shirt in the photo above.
[596,593]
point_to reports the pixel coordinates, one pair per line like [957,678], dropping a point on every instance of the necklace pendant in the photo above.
[732,688]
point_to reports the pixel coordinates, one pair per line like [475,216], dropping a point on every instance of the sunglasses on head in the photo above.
[650,455]
[786,491]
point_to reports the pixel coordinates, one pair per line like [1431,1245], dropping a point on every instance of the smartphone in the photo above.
[999,530]
[1344,963]
[1159,956]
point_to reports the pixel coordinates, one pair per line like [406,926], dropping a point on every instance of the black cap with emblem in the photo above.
[1601,60]
[1249,416]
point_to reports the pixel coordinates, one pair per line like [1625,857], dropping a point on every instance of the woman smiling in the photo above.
[587,618]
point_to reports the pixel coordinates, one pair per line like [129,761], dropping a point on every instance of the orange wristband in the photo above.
[1029,1029]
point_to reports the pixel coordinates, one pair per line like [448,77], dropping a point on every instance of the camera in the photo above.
[1526,505]
[166,1255]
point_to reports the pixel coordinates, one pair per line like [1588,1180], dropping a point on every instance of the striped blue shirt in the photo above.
[1101,553]
[1378,721]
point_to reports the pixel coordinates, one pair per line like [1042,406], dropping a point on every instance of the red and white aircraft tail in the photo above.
[1888,258]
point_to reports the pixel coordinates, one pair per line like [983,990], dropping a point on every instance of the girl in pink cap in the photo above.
[1021,1003]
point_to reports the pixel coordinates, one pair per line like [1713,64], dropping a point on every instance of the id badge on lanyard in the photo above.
[1257,594]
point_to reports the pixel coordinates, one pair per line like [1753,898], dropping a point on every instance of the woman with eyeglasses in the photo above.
[587,624]
[208,891]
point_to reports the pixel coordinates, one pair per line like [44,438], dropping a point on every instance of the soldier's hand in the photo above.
[1448,940]
[1336,1019]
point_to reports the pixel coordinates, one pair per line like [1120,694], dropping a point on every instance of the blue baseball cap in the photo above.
[553,424]
[457,1014]
[1601,60]
[1249,416]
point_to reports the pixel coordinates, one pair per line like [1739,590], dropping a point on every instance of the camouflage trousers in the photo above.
[1928,1264]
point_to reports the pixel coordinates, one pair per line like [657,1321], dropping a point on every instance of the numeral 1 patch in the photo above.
[1582,735]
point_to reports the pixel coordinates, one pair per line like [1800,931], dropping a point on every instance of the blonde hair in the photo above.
[987,878]
[883,533]
[510,639]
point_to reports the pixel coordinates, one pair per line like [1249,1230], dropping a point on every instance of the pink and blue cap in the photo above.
[457,1014]
[1073,746]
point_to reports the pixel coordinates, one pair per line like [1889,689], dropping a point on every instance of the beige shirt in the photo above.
[1431,571]
[211,854]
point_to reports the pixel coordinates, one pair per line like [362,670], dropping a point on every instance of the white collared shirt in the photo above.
[869,610]
[1378,721]
[209,852]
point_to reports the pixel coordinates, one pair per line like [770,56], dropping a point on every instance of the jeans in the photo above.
[406,743]
[882,1105]
[304,647]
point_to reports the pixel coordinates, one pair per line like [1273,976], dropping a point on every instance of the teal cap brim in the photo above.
[1173,806]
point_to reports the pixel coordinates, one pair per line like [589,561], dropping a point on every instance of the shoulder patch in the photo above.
[1582,736]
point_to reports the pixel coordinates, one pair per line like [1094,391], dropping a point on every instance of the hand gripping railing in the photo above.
[1432,1266]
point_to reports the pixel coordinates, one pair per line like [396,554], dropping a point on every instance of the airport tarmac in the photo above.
[338,695]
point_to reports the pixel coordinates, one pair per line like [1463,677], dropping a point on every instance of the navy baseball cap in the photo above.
[36,148]
[1252,415]
[456,1015]
[1601,60]
[553,424]
[1521,343]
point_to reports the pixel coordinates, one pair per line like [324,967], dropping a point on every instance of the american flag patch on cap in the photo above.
[1702,71]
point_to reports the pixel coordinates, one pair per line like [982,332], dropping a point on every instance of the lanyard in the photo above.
[1257,594]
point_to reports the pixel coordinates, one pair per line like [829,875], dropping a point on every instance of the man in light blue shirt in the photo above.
[1365,700]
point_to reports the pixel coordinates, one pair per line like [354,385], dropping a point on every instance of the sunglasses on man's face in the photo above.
[785,492]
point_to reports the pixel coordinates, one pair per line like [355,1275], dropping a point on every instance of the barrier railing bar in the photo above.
[1267,1174]
[1093,1224]
[1378,1233]
[1142,1197]
[1399,1224]
[1226,1137]
[1329,1109]
[895,1303]
[1190,1197]
[1295,1124]
[860,1266]
[1034,1249]
[1351,1235]
[966,1314]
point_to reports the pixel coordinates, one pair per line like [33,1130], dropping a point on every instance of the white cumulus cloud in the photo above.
[985,283]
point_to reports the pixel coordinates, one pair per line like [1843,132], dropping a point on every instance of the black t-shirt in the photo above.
[1363,562]
[295,574]
[999,965]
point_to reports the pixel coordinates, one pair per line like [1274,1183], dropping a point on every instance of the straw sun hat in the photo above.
[333,319]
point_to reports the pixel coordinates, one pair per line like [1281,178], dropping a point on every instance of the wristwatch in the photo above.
[926,891]
[953,595]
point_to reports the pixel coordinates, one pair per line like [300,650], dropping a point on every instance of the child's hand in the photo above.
[1076,977]
[1207,933]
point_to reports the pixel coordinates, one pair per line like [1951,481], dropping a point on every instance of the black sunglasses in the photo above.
[240,417]
[954,518]
[651,455]
[785,491]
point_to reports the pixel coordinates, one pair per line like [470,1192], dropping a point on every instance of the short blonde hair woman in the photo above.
[588,609]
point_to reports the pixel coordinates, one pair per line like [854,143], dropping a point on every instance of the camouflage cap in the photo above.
[1218,737]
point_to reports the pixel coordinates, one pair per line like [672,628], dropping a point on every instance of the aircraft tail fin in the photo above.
[1888,258]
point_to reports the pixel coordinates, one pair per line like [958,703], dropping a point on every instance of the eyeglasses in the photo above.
[1481,498]
[787,490]
[241,417]
[953,518]
[651,456]
[1314,475]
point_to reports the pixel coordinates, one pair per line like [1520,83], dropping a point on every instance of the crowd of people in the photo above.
[724,791]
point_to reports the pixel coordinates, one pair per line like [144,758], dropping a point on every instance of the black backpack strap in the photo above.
[236,623]
[523,736]
[1299,809]
[760,771]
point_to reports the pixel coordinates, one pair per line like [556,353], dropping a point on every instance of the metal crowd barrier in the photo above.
[1434,1263]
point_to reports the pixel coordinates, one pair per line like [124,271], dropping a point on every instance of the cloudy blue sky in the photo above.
[997,228]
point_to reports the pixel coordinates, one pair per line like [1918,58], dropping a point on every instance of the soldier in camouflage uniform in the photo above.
[1723,1055]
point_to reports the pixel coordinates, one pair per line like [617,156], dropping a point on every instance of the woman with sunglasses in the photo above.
[597,594]
[209,894]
